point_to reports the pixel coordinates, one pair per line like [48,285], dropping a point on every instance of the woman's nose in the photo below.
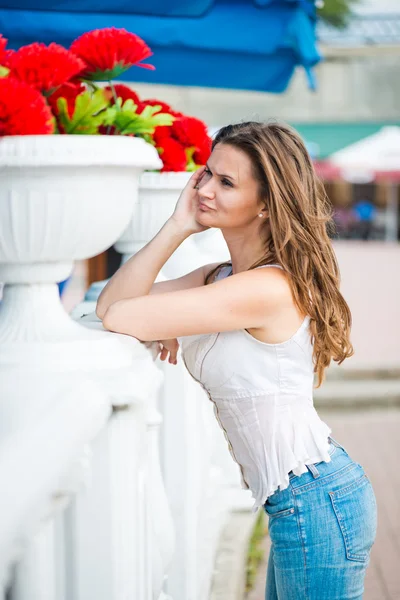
[206,189]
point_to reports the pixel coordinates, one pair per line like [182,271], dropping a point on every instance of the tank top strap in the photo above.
[226,270]
[222,272]
[273,265]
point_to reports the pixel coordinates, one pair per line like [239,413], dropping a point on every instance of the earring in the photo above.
[260,215]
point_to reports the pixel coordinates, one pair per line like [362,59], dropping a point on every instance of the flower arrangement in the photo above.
[49,89]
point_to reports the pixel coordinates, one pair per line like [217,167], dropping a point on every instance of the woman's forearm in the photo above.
[136,277]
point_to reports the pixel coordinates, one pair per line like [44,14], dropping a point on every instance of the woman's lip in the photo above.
[201,205]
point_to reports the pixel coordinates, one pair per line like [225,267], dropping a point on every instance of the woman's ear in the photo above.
[264,213]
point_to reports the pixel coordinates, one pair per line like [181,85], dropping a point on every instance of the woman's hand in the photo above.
[187,205]
[168,346]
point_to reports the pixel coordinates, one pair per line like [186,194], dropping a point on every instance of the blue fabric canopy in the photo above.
[253,44]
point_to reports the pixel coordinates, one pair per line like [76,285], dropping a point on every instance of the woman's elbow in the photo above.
[117,318]
[100,310]
[102,305]
[104,301]
[110,318]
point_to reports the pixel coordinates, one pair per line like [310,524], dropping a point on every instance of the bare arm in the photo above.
[245,300]
[136,277]
[193,279]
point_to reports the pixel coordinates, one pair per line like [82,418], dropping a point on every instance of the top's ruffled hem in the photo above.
[309,445]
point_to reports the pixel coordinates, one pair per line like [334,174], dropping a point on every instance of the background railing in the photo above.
[116,479]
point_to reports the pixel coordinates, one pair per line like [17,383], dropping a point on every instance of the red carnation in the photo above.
[44,67]
[164,107]
[203,151]
[3,44]
[173,155]
[69,91]
[23,110]
[160,133]
[109,52]
[189,131]
[124,92]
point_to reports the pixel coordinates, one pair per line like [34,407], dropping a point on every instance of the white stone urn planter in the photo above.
[62,198]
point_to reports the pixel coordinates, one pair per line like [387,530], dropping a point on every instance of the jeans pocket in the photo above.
[275,510]
[281,513]
[356,512]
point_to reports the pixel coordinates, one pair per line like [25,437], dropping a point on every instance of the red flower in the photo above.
[124,92]
[160,133]
[173,155]
[185,133]
[189,131]
[23,110]
[3,44]
[203,151]
[109,52]
[44,67]
[69,91]
[164,107]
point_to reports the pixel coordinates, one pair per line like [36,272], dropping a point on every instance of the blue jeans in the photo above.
[322,528]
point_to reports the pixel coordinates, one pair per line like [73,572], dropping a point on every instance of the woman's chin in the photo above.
[205,220]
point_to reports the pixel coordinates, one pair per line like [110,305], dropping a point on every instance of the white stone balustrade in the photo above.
[115,471]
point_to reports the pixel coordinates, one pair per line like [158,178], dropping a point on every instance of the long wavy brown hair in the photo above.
[297,232]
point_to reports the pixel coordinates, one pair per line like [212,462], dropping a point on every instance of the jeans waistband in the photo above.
[333,444]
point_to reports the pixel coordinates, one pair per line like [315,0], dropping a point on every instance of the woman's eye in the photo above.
[224,181]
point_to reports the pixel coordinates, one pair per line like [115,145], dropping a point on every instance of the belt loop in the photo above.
[313,469]
[335,443]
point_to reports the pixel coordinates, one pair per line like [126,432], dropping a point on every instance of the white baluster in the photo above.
[36,573]
[163,535]
[104,520]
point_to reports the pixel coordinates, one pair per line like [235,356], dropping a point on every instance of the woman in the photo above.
[253,333]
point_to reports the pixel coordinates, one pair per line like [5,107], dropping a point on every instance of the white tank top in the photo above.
[263,400]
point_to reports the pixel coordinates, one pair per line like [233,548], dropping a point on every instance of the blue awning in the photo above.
[253,44]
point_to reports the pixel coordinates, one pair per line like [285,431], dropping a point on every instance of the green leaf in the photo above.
[89,114]
[4,71]
[107,75]
[147,138]
[191,165]
[128,121]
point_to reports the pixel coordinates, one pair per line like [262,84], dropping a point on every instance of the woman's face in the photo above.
[228,190]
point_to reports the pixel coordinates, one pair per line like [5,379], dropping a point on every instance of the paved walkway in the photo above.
[372,439]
